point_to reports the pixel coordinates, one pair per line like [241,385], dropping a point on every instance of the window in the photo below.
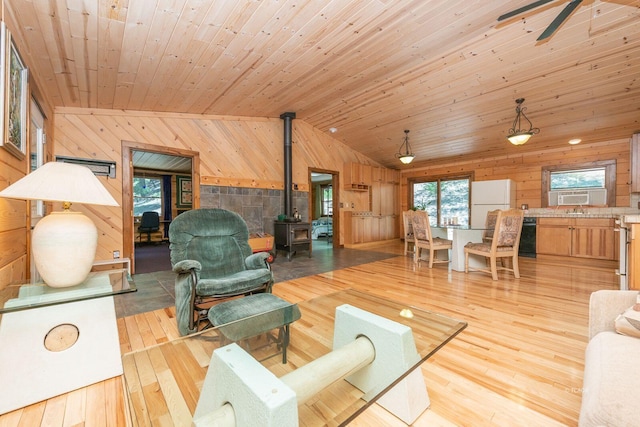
[446,200]
[327,200]
[581,178]
[598,174]
[147,195]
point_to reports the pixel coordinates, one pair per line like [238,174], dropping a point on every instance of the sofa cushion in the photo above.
[611,381]
[628,323]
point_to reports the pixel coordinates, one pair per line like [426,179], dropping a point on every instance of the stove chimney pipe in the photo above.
[288,195]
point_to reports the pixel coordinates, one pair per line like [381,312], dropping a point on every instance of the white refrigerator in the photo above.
[488,196]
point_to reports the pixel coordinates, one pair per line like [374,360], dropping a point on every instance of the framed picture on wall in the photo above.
[184,192]
[15,95]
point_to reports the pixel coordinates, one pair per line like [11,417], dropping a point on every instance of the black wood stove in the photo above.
[292,237]
[291,234]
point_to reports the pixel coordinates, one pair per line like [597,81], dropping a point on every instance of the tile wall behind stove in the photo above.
[259,207]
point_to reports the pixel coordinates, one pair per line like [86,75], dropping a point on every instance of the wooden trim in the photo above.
[127,190]
[247,183]
[335,182]
[610,178]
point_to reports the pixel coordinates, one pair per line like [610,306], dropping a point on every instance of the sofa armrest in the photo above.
[604,307]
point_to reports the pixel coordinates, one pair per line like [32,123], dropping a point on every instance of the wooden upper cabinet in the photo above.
[357,176]
[377,174]
[391,176]
[635,163]
[360,177]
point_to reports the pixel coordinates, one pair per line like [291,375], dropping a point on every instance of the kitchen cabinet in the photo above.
[391,176]
[357,228]
[577,237]
[377,174]
[383,198]
[553,236]
[357,176]
[635,163]
[367,228]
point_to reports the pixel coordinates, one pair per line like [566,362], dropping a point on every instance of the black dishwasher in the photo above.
[528,238]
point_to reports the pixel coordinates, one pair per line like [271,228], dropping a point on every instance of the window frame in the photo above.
[439,179]
[326,202]
[159,178]
[609,179]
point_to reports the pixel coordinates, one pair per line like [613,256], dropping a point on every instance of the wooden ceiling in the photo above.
[444,69]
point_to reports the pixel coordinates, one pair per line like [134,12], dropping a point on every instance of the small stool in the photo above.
[253,315]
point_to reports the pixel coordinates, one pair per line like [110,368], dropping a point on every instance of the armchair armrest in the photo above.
[188,272]
[604,307]
[186,266]
[257,260]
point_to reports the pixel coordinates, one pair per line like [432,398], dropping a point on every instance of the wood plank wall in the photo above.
[14,214]
[234,151]
[526,170]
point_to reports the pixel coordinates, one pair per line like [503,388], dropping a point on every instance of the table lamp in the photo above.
[63,243]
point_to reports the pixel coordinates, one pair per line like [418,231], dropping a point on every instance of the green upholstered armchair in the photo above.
[211,256]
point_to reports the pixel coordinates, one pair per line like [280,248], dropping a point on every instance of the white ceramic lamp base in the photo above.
[64,248]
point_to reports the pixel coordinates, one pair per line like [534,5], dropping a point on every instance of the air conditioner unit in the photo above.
[98,167]
[595,197]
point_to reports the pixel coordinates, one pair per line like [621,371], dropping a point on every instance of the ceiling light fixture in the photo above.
[407,156]
[517,135]
[575,141]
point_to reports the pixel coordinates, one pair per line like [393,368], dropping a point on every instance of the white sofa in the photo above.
[612,365]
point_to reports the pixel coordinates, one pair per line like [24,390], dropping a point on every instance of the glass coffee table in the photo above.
[55,340]
[163,382]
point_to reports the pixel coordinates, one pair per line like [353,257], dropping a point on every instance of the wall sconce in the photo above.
[517,135]
[407,156]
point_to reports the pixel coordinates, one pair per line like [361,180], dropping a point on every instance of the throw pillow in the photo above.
[628,323]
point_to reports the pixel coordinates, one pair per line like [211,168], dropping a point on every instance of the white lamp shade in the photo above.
[63,243]
[61,182]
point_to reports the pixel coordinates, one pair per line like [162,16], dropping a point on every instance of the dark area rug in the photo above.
[152,257]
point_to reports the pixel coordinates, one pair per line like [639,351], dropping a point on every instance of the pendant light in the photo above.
[517,135]
[407,156]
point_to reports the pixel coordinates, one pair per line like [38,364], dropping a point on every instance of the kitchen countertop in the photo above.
[583,213]
[631,219]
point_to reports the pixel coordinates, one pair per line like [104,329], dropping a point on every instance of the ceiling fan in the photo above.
[555,24]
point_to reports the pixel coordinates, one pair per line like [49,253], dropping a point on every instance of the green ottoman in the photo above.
[253,315]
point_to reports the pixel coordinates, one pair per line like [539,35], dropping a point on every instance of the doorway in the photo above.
[159,180]
[324,214]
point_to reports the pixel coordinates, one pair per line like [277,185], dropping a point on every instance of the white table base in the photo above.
[30,373]
[461,237]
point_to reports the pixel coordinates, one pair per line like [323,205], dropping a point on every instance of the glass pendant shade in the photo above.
[517,135]
[520,138]
[405,155]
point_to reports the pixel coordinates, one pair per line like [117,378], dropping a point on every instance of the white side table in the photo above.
[55,340]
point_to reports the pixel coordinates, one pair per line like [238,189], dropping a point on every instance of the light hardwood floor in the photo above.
[518,363]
